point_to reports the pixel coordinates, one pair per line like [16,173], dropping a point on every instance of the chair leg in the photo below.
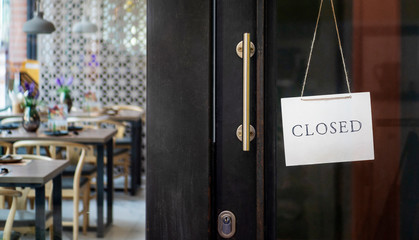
[86,208]
[76,215]
[51,232]
[32,203]
[126,173]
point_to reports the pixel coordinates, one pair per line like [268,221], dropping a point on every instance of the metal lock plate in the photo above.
[226,224]
[239,133]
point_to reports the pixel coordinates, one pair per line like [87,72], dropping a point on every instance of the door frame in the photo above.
[178,119]
[260,120]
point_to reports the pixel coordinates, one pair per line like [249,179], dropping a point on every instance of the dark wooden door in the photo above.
[235,169]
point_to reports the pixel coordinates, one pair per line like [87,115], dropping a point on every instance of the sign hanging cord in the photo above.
[312,46]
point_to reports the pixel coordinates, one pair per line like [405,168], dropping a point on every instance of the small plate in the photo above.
[56,133]
[110,111]
[10,159]
[9,126]
[75,128]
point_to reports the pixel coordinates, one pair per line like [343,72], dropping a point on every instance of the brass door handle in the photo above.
[246,49]
[246,92]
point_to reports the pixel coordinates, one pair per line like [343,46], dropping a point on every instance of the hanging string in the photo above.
[312,46]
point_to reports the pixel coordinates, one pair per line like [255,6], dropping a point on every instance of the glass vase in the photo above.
[65,98]
[31,119]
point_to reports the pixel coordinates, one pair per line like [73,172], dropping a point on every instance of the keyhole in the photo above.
[226,220]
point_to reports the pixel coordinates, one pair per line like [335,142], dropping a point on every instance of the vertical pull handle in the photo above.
[246,132]
[246,92]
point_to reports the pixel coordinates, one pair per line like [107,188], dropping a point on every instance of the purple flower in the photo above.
[28,89]
[30,93]
[58,81]
[61,82]
[31,89]
[69,81]
[27,86]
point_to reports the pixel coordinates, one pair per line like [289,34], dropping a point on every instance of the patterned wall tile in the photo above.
[110,62]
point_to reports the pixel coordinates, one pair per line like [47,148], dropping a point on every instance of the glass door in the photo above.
[376,199]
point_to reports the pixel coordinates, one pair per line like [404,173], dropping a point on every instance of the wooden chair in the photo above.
[9,120]
[7,148]
[125,107]
[74,188]
[121,156]
[24,221]
[5,109]
[7,233]
[126,141]
[134,108]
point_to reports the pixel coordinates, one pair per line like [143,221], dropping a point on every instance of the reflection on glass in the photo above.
[362,200]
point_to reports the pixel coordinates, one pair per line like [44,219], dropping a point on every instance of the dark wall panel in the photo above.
[178,119]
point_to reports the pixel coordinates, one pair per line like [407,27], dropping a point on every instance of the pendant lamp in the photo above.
[38,25]
[85,26]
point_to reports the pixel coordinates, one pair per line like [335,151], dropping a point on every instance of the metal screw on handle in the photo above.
[239,133]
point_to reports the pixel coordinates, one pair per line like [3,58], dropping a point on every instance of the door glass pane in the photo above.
[362,200]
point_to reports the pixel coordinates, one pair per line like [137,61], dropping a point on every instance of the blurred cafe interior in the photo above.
[73,87]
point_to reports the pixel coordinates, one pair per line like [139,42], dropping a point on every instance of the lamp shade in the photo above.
[85,26]
[38,25]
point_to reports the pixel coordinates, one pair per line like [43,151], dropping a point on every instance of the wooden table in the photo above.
[135,120]
[100,138]
[36,174]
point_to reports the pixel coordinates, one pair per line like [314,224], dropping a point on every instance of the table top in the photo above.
[35,172]
[84,136]
[123,115]
[7,114]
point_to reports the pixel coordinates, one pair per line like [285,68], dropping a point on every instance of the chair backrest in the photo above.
[11,120]
[10,218]
[51,151]
[86,120]
[98,122]
[129,108]
[35,157]
[126,107]
[7,147]
[119,126]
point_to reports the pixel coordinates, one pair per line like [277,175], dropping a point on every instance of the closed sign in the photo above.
[327,129]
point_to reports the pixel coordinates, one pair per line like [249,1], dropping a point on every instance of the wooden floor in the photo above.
[128,222]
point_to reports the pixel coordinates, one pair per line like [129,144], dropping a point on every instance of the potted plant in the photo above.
[31,119]
[64,91]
